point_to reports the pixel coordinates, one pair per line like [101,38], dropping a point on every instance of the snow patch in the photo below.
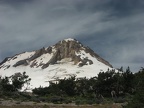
[69,39]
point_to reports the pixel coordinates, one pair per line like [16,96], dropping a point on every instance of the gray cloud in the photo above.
[113,28]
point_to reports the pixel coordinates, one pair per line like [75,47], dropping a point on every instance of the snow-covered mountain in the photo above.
[64,59]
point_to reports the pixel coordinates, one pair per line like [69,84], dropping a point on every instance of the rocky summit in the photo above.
[64,59]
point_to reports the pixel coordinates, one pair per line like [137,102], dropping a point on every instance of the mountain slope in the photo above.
[64,59]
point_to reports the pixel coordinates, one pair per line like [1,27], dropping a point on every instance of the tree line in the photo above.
[109,84]
[105,84]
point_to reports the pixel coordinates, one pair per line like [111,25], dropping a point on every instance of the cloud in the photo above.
[126,7]
[113,28]
[31,23]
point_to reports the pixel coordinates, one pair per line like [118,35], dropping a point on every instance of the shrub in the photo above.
[18,102]
[119,100]
[57,100]
[68,101]
[35,99]
[80,102]
[90,102]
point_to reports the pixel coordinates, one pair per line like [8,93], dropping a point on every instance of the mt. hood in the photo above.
[64,59]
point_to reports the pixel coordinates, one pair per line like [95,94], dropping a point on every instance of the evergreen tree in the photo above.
[67,86]
[128,78]
[14,82]
[138,99]
[121,69]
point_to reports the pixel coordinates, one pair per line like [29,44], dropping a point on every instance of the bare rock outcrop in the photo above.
[38,53]
[92,53]
[21,62]
[68,49]
[6,59]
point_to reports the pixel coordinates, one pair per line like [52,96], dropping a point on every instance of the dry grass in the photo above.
[30,104]
[64,106]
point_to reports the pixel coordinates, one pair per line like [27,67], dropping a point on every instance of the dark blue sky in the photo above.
[112,28]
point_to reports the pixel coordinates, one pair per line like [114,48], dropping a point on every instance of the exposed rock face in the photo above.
[67,49]
[92,53]
[6,59]
[38,54]
[63,49]
[21,62]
